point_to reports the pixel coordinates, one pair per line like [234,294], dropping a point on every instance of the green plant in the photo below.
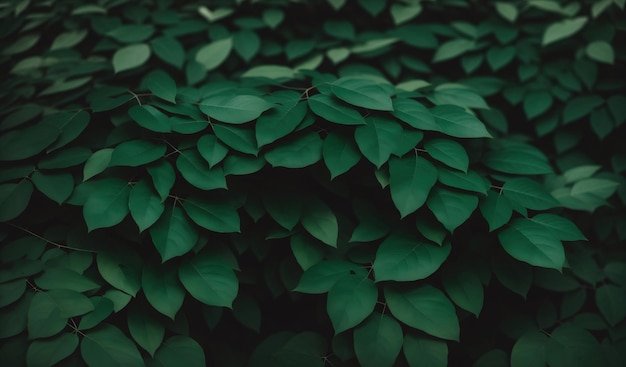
[295,183]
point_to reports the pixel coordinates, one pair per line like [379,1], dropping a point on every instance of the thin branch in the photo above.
[49,241]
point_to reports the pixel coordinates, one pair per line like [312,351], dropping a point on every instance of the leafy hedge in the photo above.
[311,183]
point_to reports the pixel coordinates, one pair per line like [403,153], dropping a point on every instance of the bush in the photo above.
[310,183]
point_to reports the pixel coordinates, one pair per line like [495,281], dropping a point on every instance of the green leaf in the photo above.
[65,158]
[196,171]
[306,250]
[528,194]
[179,350]
[279,122]
[611,301]
[300,152]
[27,142]
[423,351]
[499,57]
[150,118]
[214,54]
[572,346]
[211,149]
[377,342]
[209,280]
[601,51]
[103,307]
[496,209]
[247,44]
[130,57]
[273,72]
[162,85]
[454,121]
[581,106]
[131,33]
[532,243]
[329,108]
[350,301]
[217,215]
[273,17]
[108,205]
[448,152]
[411,179]
[136,153]
[163,177]
[457,96]
[234,109]
[563,29]
[414,114]
[11,291]
[283,204]
[470,181]
[320,221]
[239,138]
[529,350]
[518,159]
[121,269]
[173,234]
[451,208]
[536,103]
[14,199]
[169,50]
[452,49]
[68,39]
[425,308]
[162,289]
[340,153]
[464,288]
[61,278]
[507,11]
[598,187]
[97,163]
[145,205]
[57,187]
[47,308]
[145,330]
[562,228]
[376,140]
[405,258]
[364,93]
[321,277]
[48,352]
[403,13]
[298,48]
[108,346]
[246,310]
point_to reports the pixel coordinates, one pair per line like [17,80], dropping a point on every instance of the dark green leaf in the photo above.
[306,250]
[163,177]
[150,118]
[108,205]
[48,352]
[169,50]
[423,351]
[414,114]
[518,159]
[196,171]
[563,29]
[425,308]
[528,193]
[536,103]
[65,158]
[103,307]
[562,228]
[145,205]
[27,142]
[377,342]
[452,49]
[376,140]
[321,277]
[362,93]
[49,311]
[211,149]
[571,346]
[136,153]
[579,107]
[173,234]
[214,54]
[247,44]
[131,33]
[145,330]
[464,288]
[611,301]
[496,209]
[454,121]
[215,215]
[331,109]
[283,204]
[300,152]
[97,163]
[411,179]
[130,57]
[530,350]
[121,269]
[320,221]
[279,122]
[162,85]
[448,152]
[108,346]
[179,350]
[61,278]
[234,109]
[470,181]
[350,301]
[532,243]
[14,198]
[405,258]
[209,280]
[340,154]
[451,208]
[239,138]
[11,291]
[163,290]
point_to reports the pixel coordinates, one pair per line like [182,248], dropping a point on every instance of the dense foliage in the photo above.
[313,183]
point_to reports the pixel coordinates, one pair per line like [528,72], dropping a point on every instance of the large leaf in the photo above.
[217,215]
[496,209]
[377,342]
[377,139]
[108,346]
[464,288]
[406,258]
[562,228]
[150,118]
[240,139]
[364,93]
[425,308]
[211,149]
[333,110]
[528,193]
[451,208]
[350,301]
[173,234]
[136,153]
[108,205]
[209,280]
[536,103]
[572,346]
[27,142]
[169,50]
[299,152]
[410,180]
[340,153]
[162,289]
[234,109]
[163,177]
[532,243]
[179,350]
[49,311]
[454,121]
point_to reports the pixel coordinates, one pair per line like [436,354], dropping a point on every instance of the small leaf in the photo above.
[56,186]
[162,85]
[121,269]
[405,258]
[173,234]
[108,346]
[403,13]
[425,308]
[321,277]
[163,178]
[452,49]
[411,179]
[350,301]
[451,208]
[601,51]
[145,330]
[448,152]
[563,29]
[536,103]
[169,50]
[130,57]
[247,44]
[377,342]
[362,93]
[507,11]
[320,221]
[196,171]
[209,280]
[414,114]
[236,109]
[214,54]
[528,193]
[131,33]
[580,107]
[496,209]
[332,110]
[532,243]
